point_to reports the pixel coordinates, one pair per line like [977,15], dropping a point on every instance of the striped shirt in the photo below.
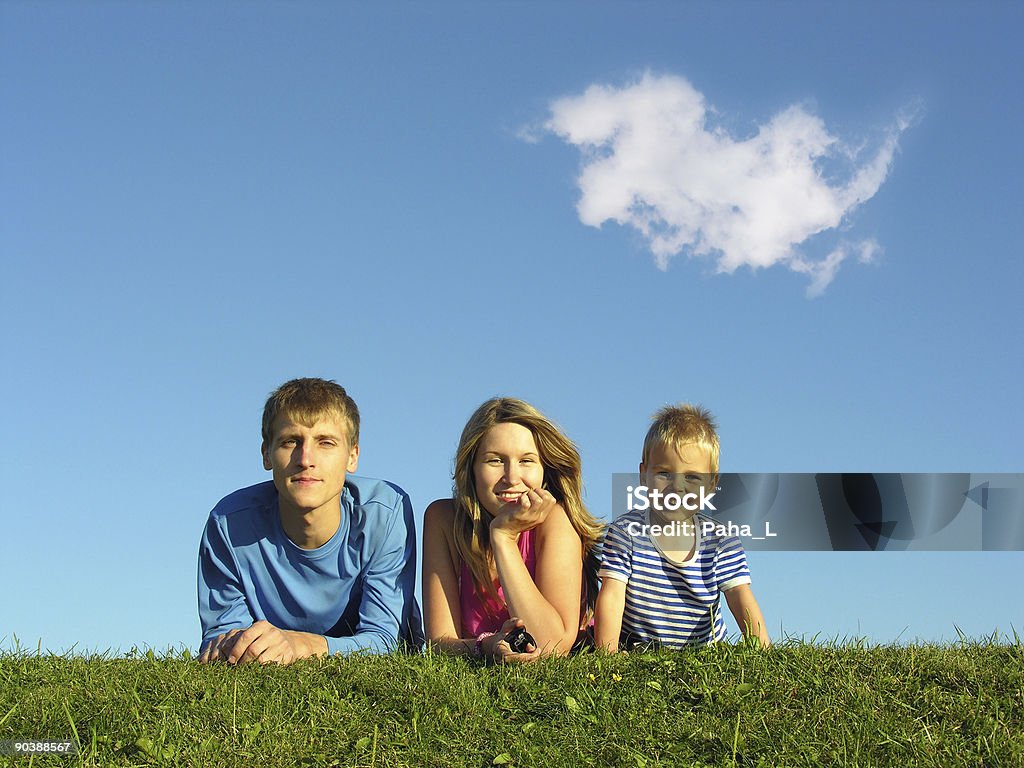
[671,604]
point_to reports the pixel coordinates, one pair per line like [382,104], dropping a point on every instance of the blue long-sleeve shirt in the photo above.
[357,590]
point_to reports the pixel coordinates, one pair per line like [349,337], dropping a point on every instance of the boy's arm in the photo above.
[611,601]
[616,570]
[747,613]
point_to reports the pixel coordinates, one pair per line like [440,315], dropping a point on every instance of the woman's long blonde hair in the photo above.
[563,477]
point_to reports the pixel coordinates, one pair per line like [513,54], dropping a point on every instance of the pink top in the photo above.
[479,616]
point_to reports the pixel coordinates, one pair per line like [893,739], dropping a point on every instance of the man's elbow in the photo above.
[368,641]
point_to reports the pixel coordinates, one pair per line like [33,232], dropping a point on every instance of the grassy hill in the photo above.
[798,704]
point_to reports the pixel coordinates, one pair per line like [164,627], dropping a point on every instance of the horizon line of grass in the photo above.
[718,705]
[996,637]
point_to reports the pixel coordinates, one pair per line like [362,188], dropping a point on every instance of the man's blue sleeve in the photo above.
[388,587]
[222,605]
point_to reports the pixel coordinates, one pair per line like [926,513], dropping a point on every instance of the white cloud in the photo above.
[651,161]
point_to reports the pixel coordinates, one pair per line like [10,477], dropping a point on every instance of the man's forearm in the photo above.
[372,641]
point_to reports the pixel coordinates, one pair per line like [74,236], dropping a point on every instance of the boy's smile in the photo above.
[681,471]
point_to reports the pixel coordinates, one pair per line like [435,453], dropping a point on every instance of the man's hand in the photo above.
[263,643]
[218,648]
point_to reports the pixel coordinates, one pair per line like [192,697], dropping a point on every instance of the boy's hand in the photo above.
[747,613]
[533,509]
[263,643]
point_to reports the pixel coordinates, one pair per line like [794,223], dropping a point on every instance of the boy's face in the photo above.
[309,462]
[681,471]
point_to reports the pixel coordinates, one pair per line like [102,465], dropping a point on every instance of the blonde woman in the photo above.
[509,549]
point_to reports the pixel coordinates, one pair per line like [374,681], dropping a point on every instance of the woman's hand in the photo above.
[533,508]
[495,648]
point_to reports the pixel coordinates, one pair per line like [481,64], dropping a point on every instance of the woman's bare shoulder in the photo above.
[440,512]
[556,528]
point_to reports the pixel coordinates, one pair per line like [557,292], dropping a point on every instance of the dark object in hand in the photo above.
[518,639]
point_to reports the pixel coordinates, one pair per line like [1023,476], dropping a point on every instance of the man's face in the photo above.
[309,463]
[679,471]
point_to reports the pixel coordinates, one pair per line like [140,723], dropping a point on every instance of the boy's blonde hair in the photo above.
[563,477]
[308,400]
[684,424]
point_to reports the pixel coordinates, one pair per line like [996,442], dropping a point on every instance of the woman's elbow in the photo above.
[560,646]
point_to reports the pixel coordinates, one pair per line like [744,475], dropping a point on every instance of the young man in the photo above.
[317,561]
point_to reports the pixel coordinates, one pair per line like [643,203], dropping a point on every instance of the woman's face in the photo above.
[507,465]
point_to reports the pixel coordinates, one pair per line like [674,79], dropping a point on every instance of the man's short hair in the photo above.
[684,424]
[307,401]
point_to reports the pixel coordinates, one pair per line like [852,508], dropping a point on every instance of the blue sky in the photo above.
[202,201]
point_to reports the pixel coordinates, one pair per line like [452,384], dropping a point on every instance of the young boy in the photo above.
[663,571]
[316,561]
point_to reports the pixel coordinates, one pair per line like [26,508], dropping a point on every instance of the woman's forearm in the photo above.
[527,602]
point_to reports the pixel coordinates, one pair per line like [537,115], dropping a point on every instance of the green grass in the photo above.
[798,704]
